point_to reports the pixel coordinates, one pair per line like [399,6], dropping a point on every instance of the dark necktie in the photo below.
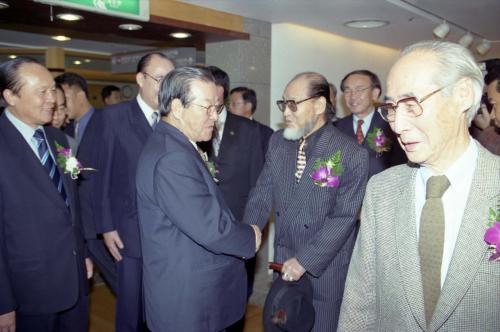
[431,241]
[49,164]
[154,119]
[359,132]
[301,160]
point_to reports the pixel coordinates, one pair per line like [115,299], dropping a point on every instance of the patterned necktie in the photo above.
[216,139]
[431,241]
[154,119]
[203,155]
[49,164]
[359,132]
[301,160]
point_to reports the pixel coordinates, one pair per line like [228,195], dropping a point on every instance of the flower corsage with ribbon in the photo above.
[213,171]
[68,162]
[492,235]
[327,172]
[378,141]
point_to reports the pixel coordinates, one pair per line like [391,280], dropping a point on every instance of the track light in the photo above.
[483,47]
[441,30]
[466,40]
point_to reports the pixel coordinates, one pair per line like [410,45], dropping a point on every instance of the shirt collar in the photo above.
[366,120]
[146,109]
[25,130]
[221,119]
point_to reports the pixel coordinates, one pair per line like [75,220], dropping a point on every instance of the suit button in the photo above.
[74,252]
[306,226]
[277,213]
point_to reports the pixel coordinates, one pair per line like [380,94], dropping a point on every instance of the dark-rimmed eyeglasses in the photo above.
[291,104]
[156,79]
[355,91]
[410,106]
[216,108]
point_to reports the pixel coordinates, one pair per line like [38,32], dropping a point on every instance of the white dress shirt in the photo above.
[147,110]
[219,126]
[26,131]
[454,199]
[367,120]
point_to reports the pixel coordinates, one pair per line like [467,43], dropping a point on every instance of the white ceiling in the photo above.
[478,16]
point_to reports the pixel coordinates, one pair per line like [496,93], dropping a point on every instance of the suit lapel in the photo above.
[407,247]
[140,125]
[470,248]
[228,135]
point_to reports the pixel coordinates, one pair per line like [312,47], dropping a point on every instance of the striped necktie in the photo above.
[301,160]
[431,241]
[49,164]
[154,119]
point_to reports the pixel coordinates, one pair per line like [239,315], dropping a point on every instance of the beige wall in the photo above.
[295,49]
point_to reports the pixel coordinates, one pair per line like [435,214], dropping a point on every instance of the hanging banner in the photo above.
[134,9]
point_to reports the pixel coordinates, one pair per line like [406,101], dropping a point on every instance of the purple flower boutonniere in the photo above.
[492,235]
[327,172]
[378,142]
[67,162]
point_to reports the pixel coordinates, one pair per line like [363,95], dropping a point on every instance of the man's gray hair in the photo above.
[455,62]
[177,85]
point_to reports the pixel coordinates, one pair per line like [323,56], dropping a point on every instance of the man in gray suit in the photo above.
[192,247]
[315,203]
[420,262]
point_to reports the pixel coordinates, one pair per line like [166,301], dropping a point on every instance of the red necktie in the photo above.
[359,132]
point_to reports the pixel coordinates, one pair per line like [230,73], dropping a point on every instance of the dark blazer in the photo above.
[239,161]
[265,135]
[380,162]
[194,277]
[41,244]
[125,131]
[317,225]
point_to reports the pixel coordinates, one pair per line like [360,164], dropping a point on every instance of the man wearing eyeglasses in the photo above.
[362,90]
[125,129]
[193,247]
[421,260]
[315,215]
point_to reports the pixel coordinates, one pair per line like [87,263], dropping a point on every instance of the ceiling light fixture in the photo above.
[87,61]
[61,38]
[366,24]
[180,35]
[441,30]
[4,5]
[69,17]
[12,56]
[466,40]
[130,26]
[77,62]
[483,47]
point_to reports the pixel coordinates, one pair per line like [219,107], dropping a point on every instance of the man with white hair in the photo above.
[421,261]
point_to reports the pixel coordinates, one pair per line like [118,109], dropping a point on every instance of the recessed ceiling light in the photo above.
[130,26]
[180,35]
[87,60]
[4,5]
[366,24]
[69,17]
[12,56]
[60,38]
[77,62]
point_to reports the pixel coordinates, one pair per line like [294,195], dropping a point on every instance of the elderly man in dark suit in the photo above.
[193,248]
[125,129]
[314,178]
[421,260]
[43,276]
[361,90]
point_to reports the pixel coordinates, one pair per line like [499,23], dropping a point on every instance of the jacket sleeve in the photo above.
[7,300]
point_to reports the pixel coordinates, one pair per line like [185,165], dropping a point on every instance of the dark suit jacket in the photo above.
[124,133]
[239,161]
[194,279]
[317,225]
[41,244]
[378,163]
[265,135]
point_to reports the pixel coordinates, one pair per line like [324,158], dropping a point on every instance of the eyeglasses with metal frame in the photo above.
[217,108]
[411,106]
[291,104]
[156,79]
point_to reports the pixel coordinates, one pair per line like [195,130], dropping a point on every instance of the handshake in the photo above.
[258,237]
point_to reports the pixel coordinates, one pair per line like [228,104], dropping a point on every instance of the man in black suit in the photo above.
[43,270]
[238,155]
[243,102]
[87,122]
[361,90]
[125,129]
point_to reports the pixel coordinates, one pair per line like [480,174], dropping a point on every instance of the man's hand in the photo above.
[114,244]
[292,270]
[8,322]
[90,267]
[258,237]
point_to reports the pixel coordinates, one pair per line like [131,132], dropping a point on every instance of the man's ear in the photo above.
[464,94]
[10,97]
[139,79]
[177,109]
[320,105]
[375,94]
